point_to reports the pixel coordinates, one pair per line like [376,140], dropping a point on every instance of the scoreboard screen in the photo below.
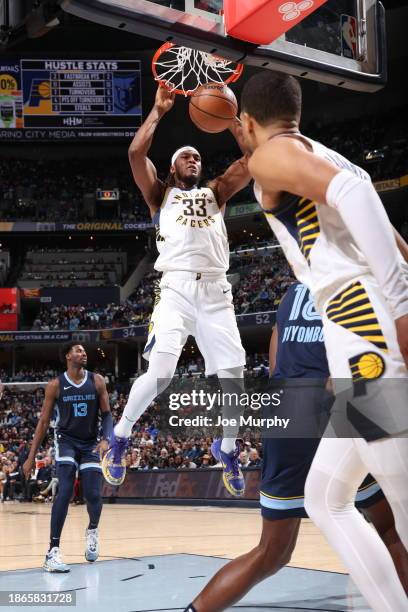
[69,99]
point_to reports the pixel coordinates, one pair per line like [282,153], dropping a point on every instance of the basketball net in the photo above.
[183,70]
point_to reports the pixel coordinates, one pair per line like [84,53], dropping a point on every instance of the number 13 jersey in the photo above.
[77,408]
[190,232]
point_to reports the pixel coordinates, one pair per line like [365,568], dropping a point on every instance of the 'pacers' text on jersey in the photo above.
[190,232]
[77,408]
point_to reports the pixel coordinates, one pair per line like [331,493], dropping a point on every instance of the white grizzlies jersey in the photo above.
[314,238]
[190,232]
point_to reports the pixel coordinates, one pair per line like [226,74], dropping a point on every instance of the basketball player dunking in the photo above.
[335,233]
[298,364]
[195,296]
[79,397]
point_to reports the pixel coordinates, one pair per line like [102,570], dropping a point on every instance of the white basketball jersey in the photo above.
[314,238]
[190,232]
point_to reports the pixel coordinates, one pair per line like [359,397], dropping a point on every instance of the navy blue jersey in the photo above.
[77,408]
[301,352]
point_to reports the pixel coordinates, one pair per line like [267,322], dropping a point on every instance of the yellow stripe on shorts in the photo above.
[353,310]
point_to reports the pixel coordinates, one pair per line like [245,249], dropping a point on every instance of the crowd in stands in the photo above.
[379,143]
[27,373]
[149,448]
[72,267]
[136,310]
[54,190]
[264,278]
[89,316]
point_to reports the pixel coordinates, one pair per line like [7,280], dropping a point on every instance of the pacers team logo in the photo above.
[293,10]
[367,366]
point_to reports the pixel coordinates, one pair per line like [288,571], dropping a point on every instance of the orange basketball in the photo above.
[212,107]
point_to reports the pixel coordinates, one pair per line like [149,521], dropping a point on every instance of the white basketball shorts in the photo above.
[364,356]
[200,305]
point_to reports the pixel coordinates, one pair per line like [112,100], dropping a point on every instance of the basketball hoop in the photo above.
[183,70]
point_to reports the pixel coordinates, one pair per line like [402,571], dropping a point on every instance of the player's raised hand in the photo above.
[402,336]
[164,99]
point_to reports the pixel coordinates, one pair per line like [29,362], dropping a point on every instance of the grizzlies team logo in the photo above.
[367,366]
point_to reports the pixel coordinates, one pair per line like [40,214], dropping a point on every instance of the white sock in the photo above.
[228,445]
[148,386]
[232,382]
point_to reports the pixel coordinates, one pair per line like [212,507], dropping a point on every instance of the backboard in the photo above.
[342,43]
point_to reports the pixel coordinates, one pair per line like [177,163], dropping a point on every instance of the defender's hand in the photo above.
[28,468]
[402,335]
[164,99]
[102,448]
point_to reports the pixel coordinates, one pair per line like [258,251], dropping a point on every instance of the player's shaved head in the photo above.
[272,96]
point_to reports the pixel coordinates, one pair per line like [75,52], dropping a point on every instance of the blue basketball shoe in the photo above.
[232,475]
[114,462]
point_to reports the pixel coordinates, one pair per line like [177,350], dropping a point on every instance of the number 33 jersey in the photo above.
[77,408]
[190,232]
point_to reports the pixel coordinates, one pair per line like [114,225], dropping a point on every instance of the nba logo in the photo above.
[349,36]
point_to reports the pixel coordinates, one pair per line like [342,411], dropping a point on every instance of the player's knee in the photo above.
[315,505]
[93,497]
[92,484]
[271,559]
[163,378]
[65,490]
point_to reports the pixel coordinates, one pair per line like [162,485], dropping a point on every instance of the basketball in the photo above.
[212,107]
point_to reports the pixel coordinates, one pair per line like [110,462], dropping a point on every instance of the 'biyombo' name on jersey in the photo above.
[79,398]
[300,333]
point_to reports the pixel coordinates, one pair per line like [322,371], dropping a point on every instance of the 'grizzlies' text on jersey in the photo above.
[314,237]
[301,352]
[77,408]
[190,232]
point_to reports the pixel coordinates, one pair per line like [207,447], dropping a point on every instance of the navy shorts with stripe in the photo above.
[286,461]
[80,453]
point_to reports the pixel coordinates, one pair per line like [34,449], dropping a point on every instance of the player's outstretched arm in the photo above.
[143,169]
[51,396]
[106,415]
[235,178]
[286,165]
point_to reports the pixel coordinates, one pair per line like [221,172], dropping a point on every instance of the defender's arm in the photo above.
[51,396]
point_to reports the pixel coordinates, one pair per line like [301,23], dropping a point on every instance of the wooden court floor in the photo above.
[142,530]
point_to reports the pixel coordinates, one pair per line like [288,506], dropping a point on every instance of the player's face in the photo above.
[187,167]
[77,355]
